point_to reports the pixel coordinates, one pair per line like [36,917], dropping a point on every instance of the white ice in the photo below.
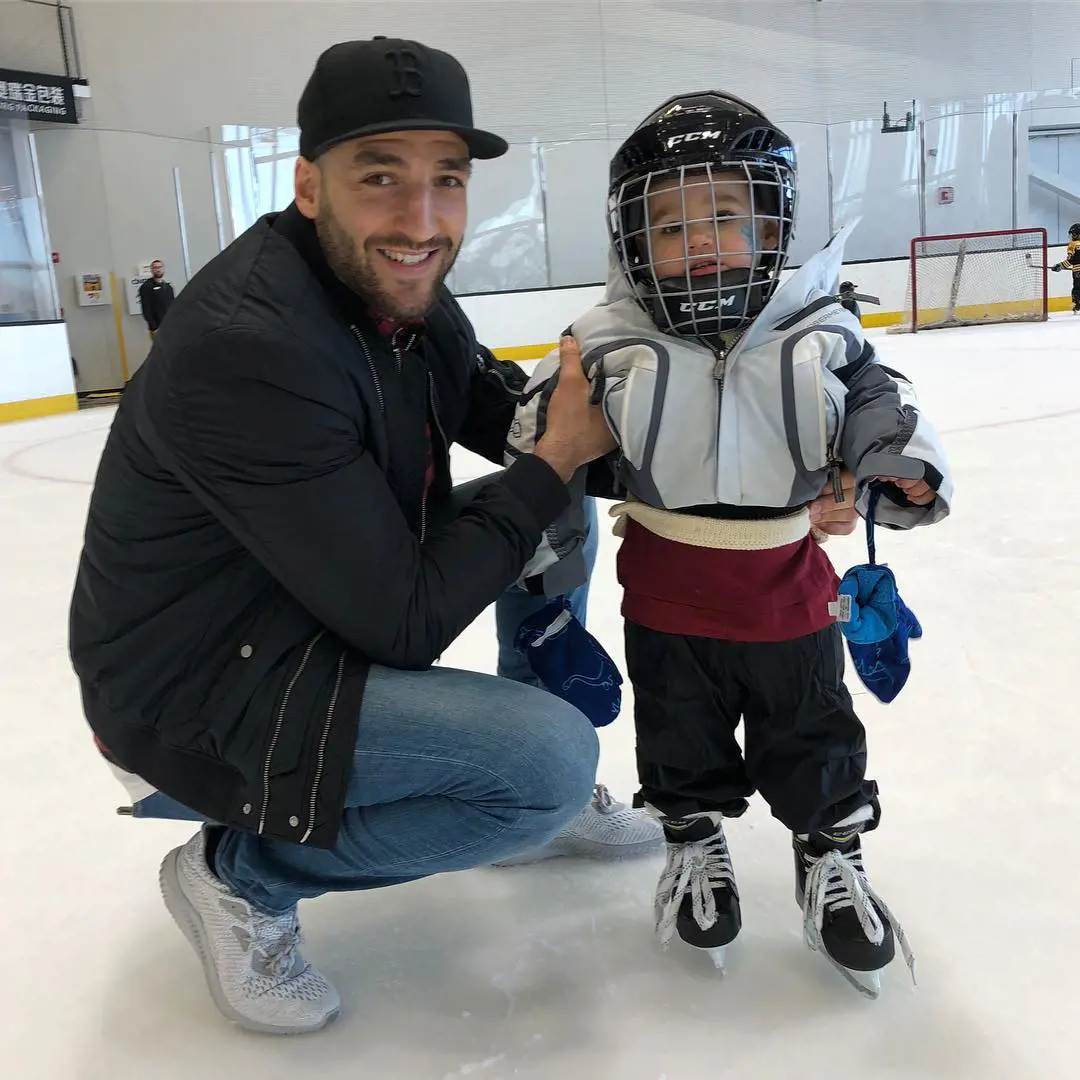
[550,971]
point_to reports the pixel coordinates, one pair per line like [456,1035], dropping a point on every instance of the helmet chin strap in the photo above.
[707,307]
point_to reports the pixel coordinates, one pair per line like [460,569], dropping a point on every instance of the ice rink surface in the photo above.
[551,971]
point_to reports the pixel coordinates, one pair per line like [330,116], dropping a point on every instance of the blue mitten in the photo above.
[873,611]
[570,663]
[883,666]
[876,622]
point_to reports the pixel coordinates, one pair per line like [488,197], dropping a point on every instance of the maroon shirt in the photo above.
[774,595]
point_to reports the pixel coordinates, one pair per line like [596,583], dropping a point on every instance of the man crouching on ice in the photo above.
[733,401]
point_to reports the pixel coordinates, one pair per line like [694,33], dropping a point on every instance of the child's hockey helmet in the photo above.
[692,138]
[1074,231]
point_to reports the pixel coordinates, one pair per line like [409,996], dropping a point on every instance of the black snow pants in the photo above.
[805,749]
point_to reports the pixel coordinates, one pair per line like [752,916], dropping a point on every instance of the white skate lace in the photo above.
[697,867]
[835,881]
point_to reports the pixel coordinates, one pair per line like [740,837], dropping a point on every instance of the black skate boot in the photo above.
[697,895]
[843,917]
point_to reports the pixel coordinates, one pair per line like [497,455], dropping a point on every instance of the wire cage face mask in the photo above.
[701,245]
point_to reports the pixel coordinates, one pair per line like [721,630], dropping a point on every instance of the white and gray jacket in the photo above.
[800,393]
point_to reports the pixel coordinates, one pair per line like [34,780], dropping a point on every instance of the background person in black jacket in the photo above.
[273,560]
[155,296]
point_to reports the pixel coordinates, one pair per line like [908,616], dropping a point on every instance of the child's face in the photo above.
[701,226]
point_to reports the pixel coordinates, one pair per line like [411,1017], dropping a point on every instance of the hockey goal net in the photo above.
[969,279]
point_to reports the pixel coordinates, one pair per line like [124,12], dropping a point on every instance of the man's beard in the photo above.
[356,268]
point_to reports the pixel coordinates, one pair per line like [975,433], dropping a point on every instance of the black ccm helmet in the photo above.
[1074,231]
[702,141]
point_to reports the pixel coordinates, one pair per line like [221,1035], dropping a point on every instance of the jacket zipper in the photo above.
[400,357]
[836,465]
[498,375]
[907,429]
[397,349]
[371,367]
[321,755]
[434,395]
[833,464]
[320,759]
[720,374]
[280,724]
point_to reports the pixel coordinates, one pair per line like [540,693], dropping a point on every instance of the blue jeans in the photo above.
[516,605]
[451,770]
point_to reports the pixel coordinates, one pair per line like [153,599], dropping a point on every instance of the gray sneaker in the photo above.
[605,829]
[252,962]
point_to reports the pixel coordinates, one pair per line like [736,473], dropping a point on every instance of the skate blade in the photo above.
[868,983]
[719,958]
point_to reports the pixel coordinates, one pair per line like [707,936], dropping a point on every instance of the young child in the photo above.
[734,401]
[1072,262]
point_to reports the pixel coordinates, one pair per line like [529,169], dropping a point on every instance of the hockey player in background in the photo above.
[1072,262]
[733,400]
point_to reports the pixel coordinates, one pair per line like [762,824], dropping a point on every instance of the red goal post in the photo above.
[972,279]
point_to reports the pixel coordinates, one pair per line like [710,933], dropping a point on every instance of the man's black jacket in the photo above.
[258,532]
[156,297]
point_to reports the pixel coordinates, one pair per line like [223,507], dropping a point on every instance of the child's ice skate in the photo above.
[843,918]
[697,895]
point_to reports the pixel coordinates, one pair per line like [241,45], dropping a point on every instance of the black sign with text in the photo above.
[37,97]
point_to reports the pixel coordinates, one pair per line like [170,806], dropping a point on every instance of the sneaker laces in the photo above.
[275,940]
[696,867]
[618,814]
[835,881]
[603,802]
[614,824]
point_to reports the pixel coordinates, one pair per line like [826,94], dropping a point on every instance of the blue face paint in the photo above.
[747,233]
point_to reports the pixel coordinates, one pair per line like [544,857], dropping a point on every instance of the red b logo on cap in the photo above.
[409,79]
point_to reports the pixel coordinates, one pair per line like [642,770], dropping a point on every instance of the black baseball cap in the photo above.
[373,87]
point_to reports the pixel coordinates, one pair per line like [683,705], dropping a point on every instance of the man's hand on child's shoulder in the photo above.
[577,432]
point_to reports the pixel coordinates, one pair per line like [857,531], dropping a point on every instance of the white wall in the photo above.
[564,69]
[29,40]
[520,320]
[76,203]
[973,154]
[875,179]
[514,320]
[35,362]
[812,212]
[597,63]
[1059,110]
[111,204]
[568,76]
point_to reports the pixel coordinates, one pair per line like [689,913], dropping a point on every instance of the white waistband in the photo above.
[720,533]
